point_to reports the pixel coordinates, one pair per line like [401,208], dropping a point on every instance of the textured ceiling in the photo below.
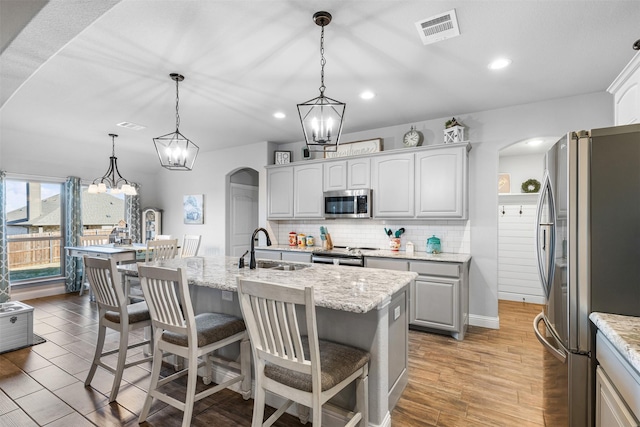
[78,68]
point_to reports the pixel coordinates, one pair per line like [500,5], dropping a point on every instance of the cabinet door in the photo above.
[307,185]
[280,193]
[434,303]
[441,183]
[296,256]
[262,254]
[335,175]
[393,186]
[611,410]
[359,173]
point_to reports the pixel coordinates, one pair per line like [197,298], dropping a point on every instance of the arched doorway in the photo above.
[242,210]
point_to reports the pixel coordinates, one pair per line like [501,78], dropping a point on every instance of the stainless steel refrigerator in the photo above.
[588,246]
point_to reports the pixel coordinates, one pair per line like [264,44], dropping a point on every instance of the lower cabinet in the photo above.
[438,298]
[262,254]
[617,388]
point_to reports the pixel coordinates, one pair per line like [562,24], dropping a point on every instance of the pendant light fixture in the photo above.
[176,151]
[322,117]
[112,181]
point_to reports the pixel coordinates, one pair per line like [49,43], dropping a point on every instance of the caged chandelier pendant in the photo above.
[112,181]
[176,151]
[322,117]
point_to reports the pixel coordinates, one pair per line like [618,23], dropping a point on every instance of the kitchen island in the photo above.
[362,307]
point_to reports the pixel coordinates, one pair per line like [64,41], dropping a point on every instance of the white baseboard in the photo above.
[510,296]
[484,321]
[40,291]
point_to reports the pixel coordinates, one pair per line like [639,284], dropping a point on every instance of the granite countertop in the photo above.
[623,332]
[383,253]
[353,289]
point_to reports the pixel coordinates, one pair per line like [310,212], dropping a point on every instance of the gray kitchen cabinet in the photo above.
[386,263]
[399,342]
[617,387]
[393,183]
[262,254]
[347,174]
[307,191]
[280,193]
[441,183]
[296,256]
[440,297]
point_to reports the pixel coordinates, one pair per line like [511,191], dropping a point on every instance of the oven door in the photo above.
[328,259]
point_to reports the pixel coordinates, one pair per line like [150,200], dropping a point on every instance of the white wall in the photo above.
[208,177]
[522,168]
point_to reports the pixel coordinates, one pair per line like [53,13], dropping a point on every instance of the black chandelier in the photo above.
[322,117]
[112,181]
[176,151]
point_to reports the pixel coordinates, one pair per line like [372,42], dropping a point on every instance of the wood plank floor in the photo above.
[492,378]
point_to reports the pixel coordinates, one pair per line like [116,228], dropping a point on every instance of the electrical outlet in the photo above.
[227,296]
[396,313]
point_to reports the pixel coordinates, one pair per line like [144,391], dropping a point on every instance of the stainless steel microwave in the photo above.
[348,204]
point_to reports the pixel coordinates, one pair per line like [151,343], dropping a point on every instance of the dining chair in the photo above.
[114,313]
[289,358]
[90,241]
[161,249]
[163,237]
[190,245]
[178,331]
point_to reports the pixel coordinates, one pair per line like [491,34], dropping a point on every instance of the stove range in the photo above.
[340,255]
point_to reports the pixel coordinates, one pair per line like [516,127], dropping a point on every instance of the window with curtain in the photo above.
[35,224]
[34,230]
[101,212]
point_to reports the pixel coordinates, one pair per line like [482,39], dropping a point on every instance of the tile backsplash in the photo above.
[455,236]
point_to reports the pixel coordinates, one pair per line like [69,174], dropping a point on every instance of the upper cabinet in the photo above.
[626,93]
[422,183]
[280,193]
[441,183]
[347,174]
[393,183]
[307,185]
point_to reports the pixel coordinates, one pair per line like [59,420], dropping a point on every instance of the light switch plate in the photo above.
[396,313]
[227,296]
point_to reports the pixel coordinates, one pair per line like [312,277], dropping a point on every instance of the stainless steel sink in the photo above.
[267,264]
[275,265]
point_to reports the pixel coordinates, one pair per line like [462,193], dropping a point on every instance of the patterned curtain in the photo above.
[5,290]
[133,215]
[72,229]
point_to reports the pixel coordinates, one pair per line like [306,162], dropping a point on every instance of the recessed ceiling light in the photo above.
[499,63]
[367,94]
[279,115]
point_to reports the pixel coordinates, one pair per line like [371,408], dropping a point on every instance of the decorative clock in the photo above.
[412,138]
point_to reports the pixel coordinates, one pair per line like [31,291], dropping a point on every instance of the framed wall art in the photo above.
[193,209]
[504,183]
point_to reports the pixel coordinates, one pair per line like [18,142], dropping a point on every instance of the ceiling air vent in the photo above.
[132,126]
[438,27]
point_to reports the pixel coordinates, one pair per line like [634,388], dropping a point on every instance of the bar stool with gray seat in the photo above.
[114,313]
[90,241]
[177,330]
[297,366]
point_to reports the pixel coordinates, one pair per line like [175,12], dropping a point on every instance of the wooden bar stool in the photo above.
[298,366]
[178,331]
[115,313]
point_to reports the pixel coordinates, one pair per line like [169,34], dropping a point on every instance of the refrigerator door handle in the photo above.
[560,355]
[546,250]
